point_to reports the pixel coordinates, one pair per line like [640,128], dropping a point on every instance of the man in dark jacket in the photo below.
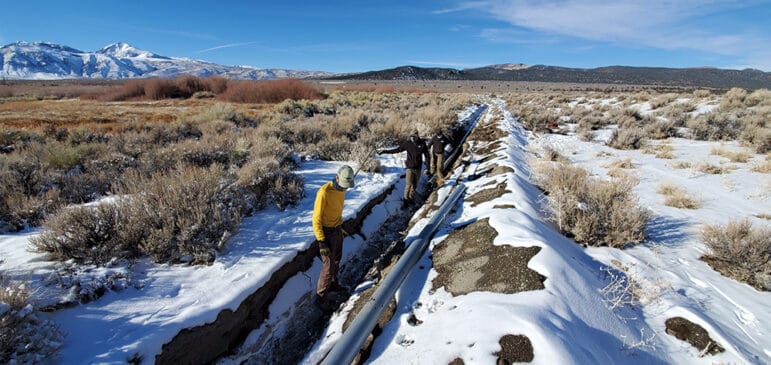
[416,150]
[438,143]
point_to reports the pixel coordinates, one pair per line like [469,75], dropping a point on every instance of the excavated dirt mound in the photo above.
[515,348]
[488,194]
[489,148]
[467,261]
[487,132]
[694,334]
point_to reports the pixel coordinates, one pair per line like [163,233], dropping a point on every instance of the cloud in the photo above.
[660,24]
[462,7]
[231,45]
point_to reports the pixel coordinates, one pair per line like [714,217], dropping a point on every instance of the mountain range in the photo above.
[627,75]
[45,61]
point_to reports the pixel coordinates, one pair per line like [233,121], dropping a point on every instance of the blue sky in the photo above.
[354,36]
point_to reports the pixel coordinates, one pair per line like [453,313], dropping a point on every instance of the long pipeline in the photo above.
[345,350]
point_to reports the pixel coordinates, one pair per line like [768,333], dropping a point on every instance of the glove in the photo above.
[323,248]
[379,151]
[426,172]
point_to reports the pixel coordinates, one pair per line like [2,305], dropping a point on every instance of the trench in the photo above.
[288,340]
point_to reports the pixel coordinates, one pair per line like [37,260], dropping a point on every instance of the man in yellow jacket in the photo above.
[327,226]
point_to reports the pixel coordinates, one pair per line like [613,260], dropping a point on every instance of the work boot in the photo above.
[335,287]
[324,304]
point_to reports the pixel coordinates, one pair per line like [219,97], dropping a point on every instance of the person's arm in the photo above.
[396,149]
[426,154]
[317,210]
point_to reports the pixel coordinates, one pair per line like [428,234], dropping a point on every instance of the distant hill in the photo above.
[47,61]
[656,76]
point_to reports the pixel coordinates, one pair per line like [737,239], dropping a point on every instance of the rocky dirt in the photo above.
[467,261]
[694,334]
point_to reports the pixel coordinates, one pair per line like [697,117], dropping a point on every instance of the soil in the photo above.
[504,206]
[467,261]
[489,148]
[694,334]
[487,132]
[488,194]
[500,170]
[515,348]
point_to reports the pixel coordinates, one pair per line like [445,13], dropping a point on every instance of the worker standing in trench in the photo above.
[416,150]
[438,143]
[327,226]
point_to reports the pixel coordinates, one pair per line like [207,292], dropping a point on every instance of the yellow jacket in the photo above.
[328,209]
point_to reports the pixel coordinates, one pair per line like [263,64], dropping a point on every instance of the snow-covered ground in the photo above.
[164,299]
[567,322]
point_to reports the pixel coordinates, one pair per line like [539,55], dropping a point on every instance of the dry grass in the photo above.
[682,165]
[740,251]
[620,164]
[762,167]
[734,156]
[678,197]
[708,168]
[663,151]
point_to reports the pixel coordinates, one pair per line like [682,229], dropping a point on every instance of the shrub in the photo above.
[660,130]
[220,111]
[740,251]
[271,91]
[733,98]
[626,139]
[267,182]
[60,157]
[86,234]
[677,197]
[159,89]
[185,214]
[188,85]
[757,136]
[662,100]
[25,337]
[593,211]
[759,97]
[715,126]
[131,89]
[701,93]
[734,156]
[551,154]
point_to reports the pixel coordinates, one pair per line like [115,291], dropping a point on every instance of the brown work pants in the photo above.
[437,161]
[413,177]
[333,236]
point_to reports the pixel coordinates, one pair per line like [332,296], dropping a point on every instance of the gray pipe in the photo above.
[349,344]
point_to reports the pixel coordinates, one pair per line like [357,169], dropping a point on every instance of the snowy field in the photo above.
[568,322]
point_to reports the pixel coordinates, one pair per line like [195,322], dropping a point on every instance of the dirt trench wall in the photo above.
[205,343]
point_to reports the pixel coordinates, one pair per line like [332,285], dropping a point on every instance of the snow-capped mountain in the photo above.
[41,60]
